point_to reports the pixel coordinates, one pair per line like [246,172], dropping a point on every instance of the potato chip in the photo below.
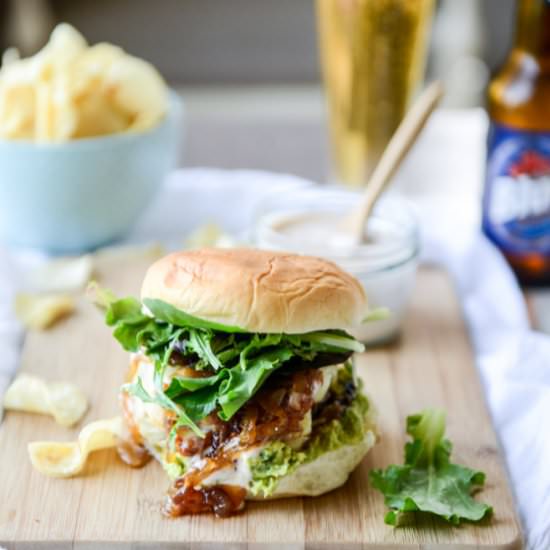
[68,459]
[64,46]
[97,116]
[69,91]
[17,105]
[117,253]
[41,311]
[61,275]
[136,87]
[209,234]
[62,400]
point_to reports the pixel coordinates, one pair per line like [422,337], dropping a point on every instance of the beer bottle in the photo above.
[516,201]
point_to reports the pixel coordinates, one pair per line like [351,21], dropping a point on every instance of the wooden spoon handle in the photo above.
[394,153]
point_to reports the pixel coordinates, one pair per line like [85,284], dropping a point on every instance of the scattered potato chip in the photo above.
[68,459]
[151,251]
[209,234]
[63,400]
[137,89]
[69,90]
[61,275]
[41,311]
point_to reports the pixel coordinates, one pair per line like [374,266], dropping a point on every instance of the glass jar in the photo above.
[307,222]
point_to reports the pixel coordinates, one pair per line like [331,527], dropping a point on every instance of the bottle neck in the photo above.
[533,28]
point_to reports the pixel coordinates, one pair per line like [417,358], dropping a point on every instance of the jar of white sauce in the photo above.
[309,221]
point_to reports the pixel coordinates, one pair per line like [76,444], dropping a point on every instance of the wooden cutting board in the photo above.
[111,503]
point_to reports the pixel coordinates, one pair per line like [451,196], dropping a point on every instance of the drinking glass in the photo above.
[372,56]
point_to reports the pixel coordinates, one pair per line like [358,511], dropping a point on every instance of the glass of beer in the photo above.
[372,55]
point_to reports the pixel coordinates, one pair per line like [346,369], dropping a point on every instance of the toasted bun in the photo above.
[258,291]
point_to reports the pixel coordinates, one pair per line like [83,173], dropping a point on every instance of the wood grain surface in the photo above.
[114,506]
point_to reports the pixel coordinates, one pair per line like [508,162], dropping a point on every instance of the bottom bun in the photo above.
[328,471]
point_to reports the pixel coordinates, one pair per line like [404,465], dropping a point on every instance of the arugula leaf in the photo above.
[185,418]
[242,384]
[241,361]
[170,314]
[257,342]
[333,340]
[428,481]
[200,403]
[180,385]
[160,398]
[136,388]
[199,342]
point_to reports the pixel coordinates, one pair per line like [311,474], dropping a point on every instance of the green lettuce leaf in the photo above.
[428,481]
[241,362]
[133,328]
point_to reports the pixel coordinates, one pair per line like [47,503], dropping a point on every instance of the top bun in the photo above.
[258,290]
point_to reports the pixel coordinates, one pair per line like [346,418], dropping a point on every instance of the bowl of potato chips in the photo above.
[87,135]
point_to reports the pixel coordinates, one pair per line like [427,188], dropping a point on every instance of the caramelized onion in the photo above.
[275,412]
[223,500]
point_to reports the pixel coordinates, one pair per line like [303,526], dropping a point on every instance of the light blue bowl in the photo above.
[76,196]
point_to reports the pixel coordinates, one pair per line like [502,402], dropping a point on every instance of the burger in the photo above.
[241,382]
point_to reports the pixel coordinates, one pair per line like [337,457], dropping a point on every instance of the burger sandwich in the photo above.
[241,382]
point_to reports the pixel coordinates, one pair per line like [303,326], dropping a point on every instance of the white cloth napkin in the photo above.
[513,360]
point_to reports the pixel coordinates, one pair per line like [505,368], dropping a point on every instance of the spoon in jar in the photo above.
[394,153]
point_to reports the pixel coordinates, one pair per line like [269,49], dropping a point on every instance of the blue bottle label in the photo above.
[516,201]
